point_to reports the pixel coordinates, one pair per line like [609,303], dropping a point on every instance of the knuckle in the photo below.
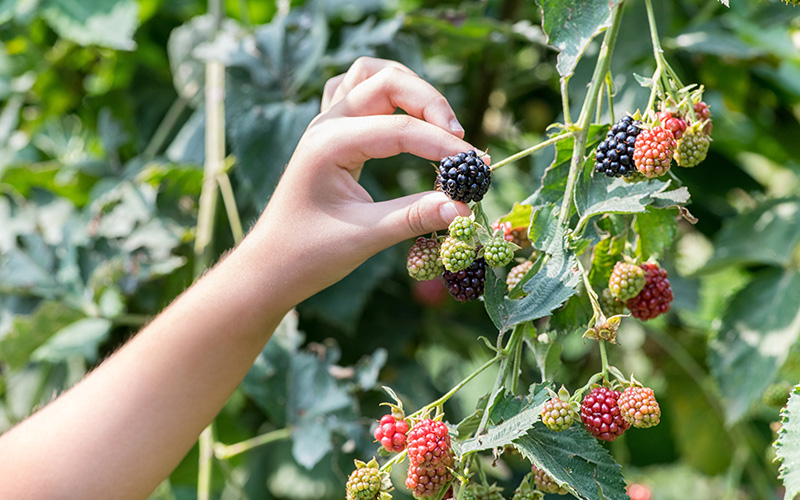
[415,219]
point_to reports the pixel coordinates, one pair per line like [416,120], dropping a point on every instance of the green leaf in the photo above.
[600,194]
[81,338]
[311,441]
[570,26]
[761,324]
[519,216]
[504,433]
[546,290]
[768,234]
[31,331]
[575,459]
[787,447]
[606,253]
[656,230]
[108,23]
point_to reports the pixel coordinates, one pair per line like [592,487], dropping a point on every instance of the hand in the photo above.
[320,222]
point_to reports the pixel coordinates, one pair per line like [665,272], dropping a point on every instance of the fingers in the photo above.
[403,218]
[392,88]
[362,69]
[352,141]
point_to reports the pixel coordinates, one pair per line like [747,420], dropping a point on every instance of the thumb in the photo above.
[416,214]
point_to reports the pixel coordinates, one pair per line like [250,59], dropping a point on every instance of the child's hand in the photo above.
[320,223]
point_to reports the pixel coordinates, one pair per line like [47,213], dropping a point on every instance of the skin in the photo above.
[119,432]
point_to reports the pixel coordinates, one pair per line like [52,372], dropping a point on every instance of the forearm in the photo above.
[116,433]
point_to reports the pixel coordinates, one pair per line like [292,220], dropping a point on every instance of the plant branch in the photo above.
[225,452]
[457,387]
[587,111]
[530,150]
[165,127]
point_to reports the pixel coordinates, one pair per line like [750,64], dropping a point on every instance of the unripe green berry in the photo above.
[456,254]
[498,252]
[626,281]
[462,228]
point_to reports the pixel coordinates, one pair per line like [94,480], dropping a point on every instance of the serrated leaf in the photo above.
[108,23]
[768,234]
[761,324]
[656,230]
[570,26]
[520,215]
[575,458]
[787,447]
[546,290]
[513,417]
[606,253]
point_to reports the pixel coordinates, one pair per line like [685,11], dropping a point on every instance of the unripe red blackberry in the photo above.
[517,272]
[614,156]
[626,280]
[601,414]
[546,483]
[462,228]
[610,305]
[702,111]
[423,261]
[429,457]
[639,407]
[464,177]
[692,149]
[456,254]
[467,284]
[498,252]
[653,151]
[516,235]
[675,124]
[364,484]
[557,415]
[391,433]
[656,296]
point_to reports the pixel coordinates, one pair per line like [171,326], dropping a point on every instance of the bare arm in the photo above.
[120,432]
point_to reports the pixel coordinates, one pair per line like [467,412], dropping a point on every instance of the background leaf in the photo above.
[109,23]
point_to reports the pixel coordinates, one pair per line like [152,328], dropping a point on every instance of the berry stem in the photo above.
[603,357]
[587,111]
[593,300]
[530,150]
[610,93]
[663,69]
[456,388]
[394,460]
[225,452]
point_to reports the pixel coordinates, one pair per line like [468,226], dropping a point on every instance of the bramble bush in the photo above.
[624,311]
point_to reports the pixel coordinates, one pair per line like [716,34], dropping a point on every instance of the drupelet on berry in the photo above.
[464,177]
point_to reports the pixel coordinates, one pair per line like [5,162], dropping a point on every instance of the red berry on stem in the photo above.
[601,414]
[656,296]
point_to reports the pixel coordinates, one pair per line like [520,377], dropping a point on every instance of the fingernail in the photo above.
[455,126]
[451,210]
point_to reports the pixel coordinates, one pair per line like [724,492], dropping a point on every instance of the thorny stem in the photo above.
[600,70]
[663,69]
[530,150]
[457,387]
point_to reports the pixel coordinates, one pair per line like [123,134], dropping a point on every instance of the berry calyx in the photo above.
[692,148]
[656,296]
[546,483]
[517,272]
[653,151]
[498,252]
[467,284]
[601,414]
[423,261]
[464,177]
[456,254]
[639,407]
[462,228]
[626,280]
[558,414]
[614,156]
[391,433]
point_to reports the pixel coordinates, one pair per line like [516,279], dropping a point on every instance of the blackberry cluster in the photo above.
[656,296]
[462,228]
[614,156]
[456,254]
[423,261]
[498,252]
[611,305]
[429,457]
[639,407]
[653,151]
[626,280]
[464,177]
[468,283]
[601,414]
[692,149]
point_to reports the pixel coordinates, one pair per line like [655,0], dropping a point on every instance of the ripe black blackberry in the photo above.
[467,284]
[464,177]
[614,156]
